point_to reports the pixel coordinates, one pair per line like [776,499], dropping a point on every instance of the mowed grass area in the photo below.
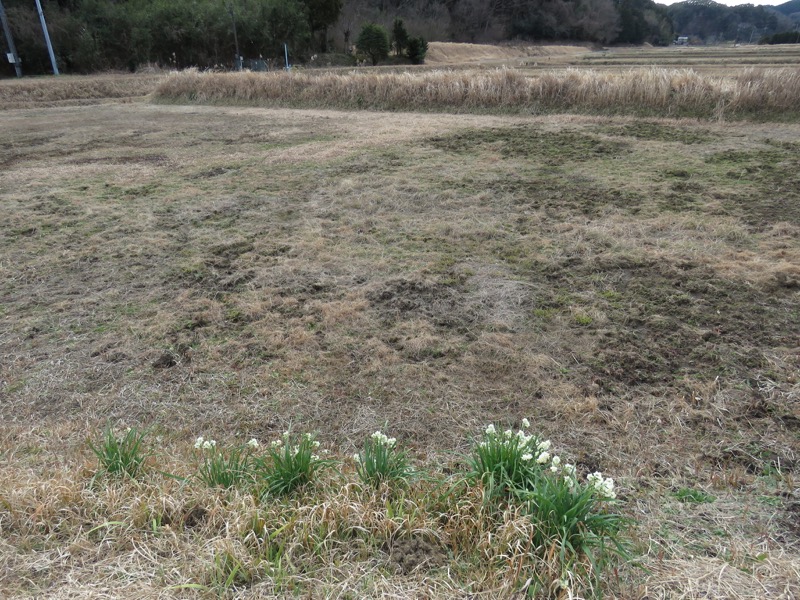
[720,59]
[631,286]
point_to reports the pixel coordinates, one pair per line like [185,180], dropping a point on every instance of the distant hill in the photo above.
[712,22]
[788,8]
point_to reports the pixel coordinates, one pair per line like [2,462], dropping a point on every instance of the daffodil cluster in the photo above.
[382,439]
[292,462]
[381,461]
[203,444]
[510,462]
[296,446]
[603,486]
[226,467]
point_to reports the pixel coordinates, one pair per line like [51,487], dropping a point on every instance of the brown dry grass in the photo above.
[770,93]
[74,89]
[715,60]
[629,285]
[451,53]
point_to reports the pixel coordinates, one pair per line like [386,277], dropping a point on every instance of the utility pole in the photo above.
[13,57]
[47,38]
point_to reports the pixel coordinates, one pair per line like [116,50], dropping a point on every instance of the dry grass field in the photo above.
[630,285]
[717,60]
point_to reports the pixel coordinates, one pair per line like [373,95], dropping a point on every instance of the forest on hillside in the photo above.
[710,22]
[95,35]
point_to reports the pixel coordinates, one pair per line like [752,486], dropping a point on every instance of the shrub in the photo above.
[417,49]
[234,468]
[291,463]
[374,42]
[784,37]
[121,455]
[381,461]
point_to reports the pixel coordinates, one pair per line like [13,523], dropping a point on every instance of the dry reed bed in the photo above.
[25,93]
[766,93]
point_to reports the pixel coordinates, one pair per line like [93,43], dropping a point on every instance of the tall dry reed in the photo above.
[668,92]
[27,92]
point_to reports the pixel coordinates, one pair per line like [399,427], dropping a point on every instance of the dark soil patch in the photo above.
[770,180]
[677,173]
[378,162]
[585,196]
[529,142]
[442,305]
[165,361]
[667,321]
[416,553]
[646,130]
[230,251]
[151,159]
[209,173]
[553,191]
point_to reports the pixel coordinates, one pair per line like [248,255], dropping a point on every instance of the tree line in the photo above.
[94,35]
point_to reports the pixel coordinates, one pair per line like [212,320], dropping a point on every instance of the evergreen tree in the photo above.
[374,42]
[417,49]
[321,15]
[399,37]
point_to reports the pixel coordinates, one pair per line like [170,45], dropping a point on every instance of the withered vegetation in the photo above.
[654,91]
[629,285]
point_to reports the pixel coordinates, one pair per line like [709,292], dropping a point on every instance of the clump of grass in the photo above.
[382,462]
[572,525]
[121,454]
[694,496]
[292,462]
[218,468]
[653,91]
